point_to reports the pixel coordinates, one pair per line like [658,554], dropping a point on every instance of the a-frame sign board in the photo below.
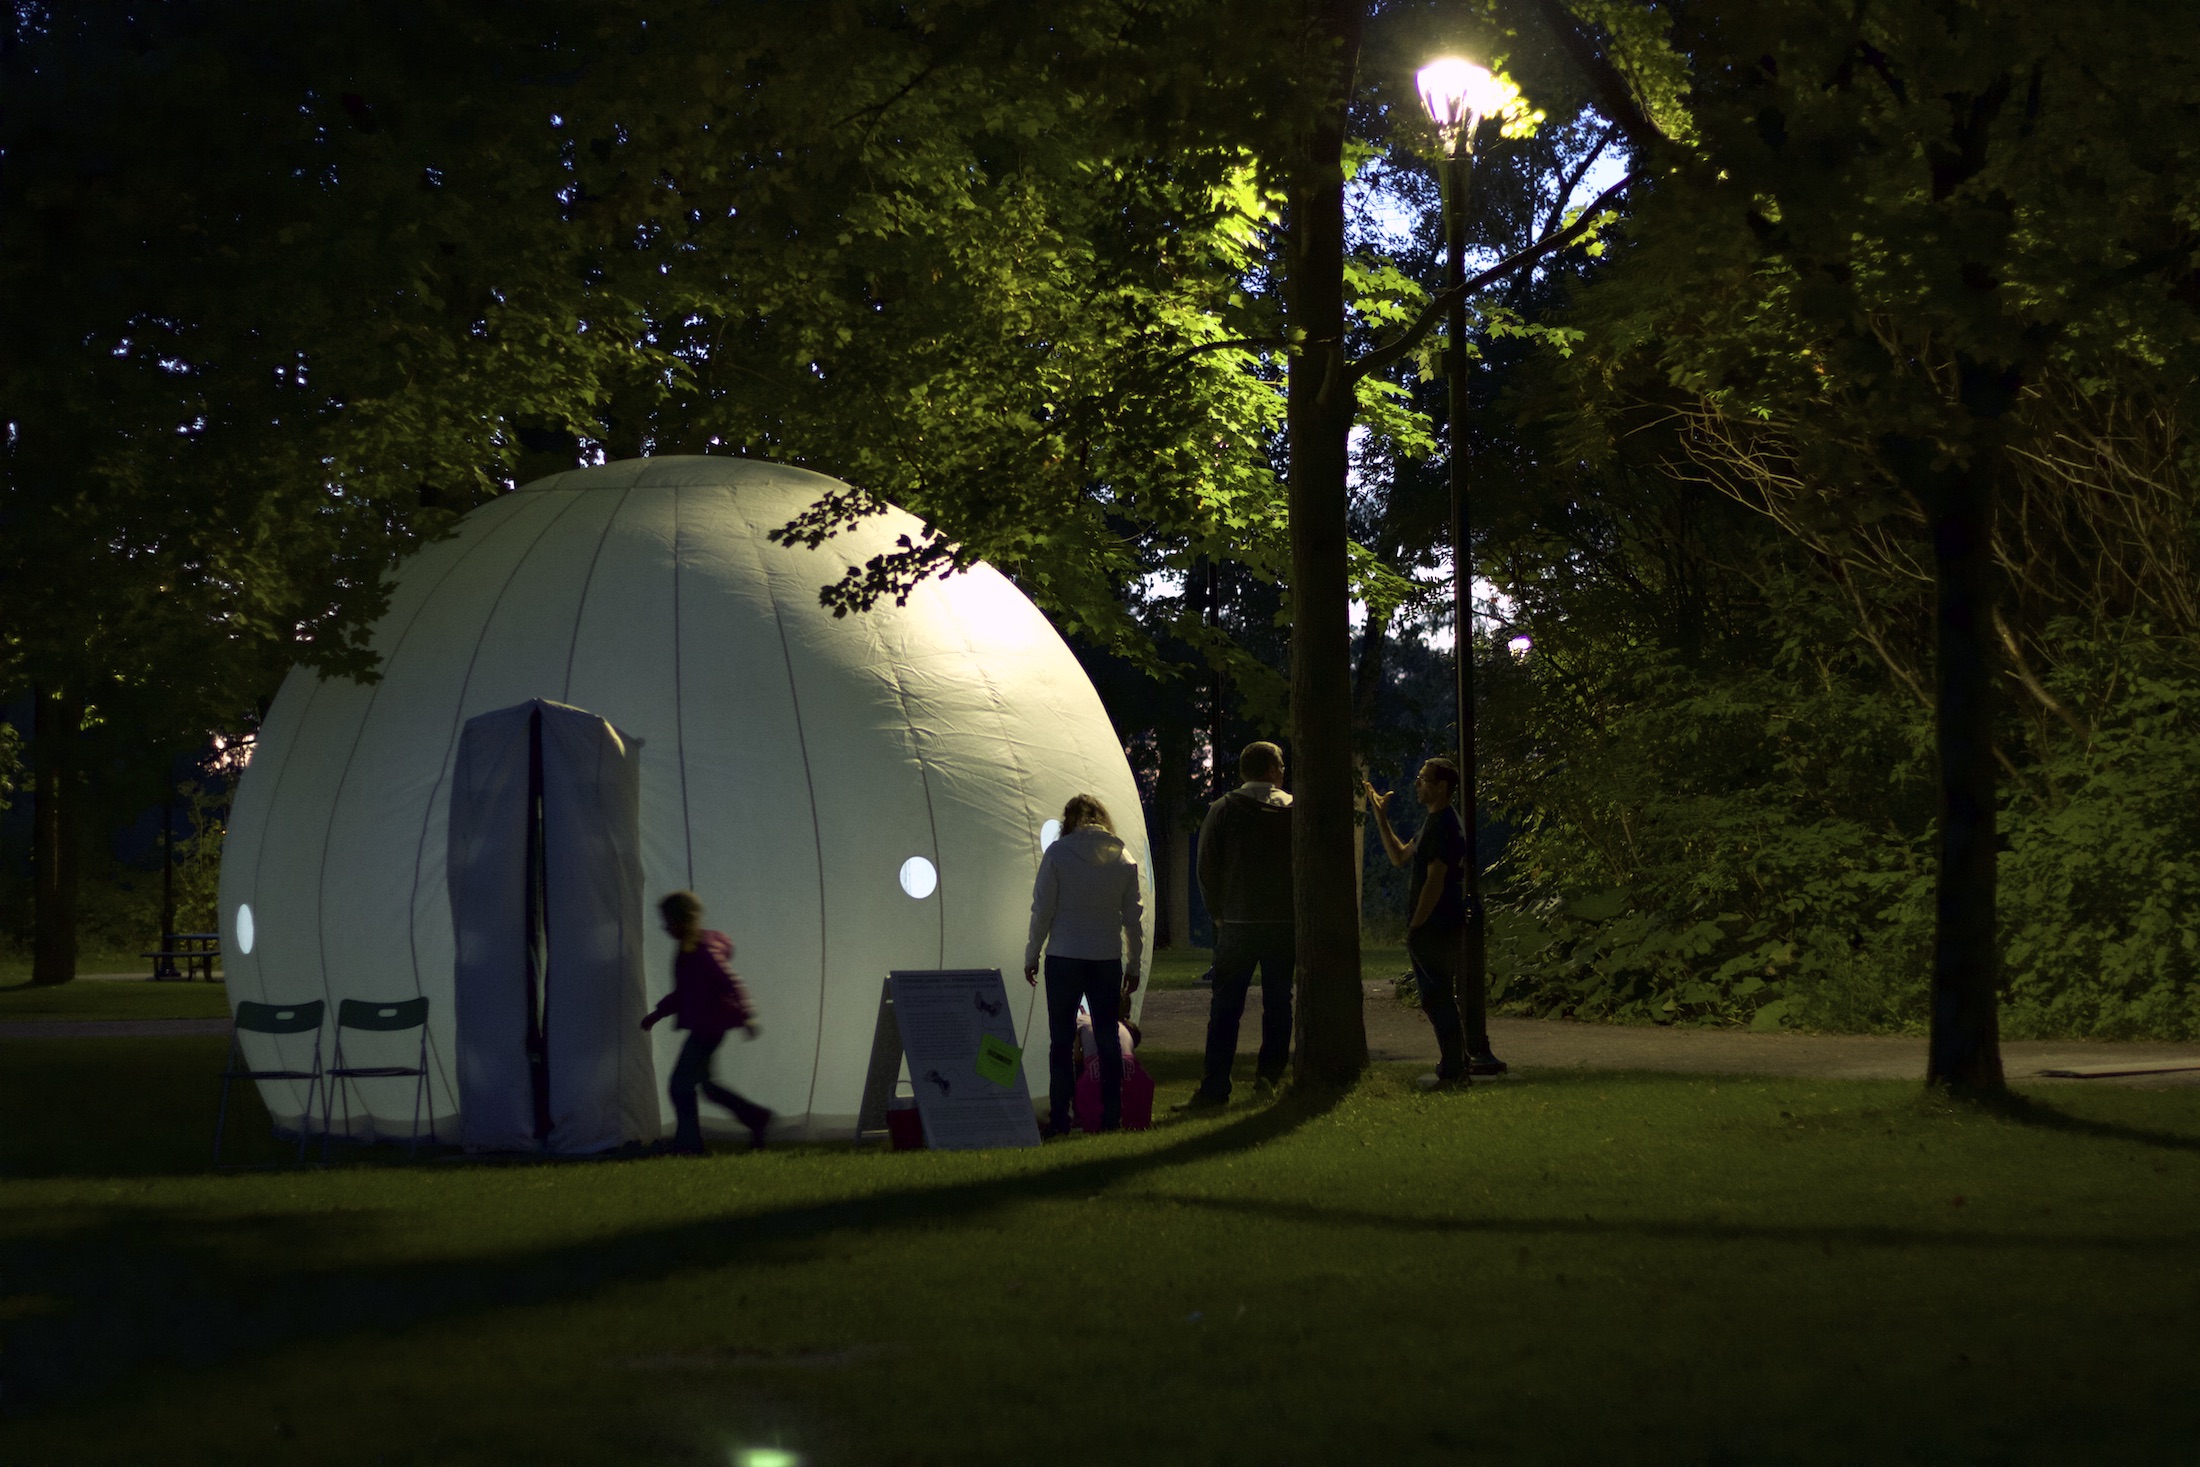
[953,1025]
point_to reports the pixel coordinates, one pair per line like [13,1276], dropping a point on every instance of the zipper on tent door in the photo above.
[538,932]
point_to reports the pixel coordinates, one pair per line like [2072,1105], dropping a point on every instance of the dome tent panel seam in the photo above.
[274,799]
[588,581]
[679,701]
[519,516]
[270,1058]
[817,832]
[1026,785]
[389,663]
[458,715]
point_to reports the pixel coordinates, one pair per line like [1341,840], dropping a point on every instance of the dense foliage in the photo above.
[290,287]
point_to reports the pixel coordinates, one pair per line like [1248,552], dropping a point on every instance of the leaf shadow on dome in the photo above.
[147,1286]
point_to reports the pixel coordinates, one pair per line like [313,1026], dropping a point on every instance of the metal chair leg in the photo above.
[420,1088]
[318,1087]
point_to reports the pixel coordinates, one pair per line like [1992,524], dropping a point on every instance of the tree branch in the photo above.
[1234,343]
[1581,171]
[1615,99]
[1440,304]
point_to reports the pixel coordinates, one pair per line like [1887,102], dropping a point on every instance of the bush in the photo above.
[1739,846]
[2100,880]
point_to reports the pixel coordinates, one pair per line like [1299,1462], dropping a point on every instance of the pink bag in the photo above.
[1137,1096]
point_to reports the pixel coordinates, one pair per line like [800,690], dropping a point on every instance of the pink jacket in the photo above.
[707,996]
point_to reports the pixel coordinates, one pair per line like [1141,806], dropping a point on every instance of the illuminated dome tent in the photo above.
[847,795]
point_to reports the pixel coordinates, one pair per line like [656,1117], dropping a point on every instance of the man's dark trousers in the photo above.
[690,1073]
[1435,954]
[1239,948]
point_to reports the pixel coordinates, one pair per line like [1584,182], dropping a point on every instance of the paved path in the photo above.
[1177,1019]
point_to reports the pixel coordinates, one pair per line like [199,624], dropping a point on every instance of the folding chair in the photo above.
[272,1019]
[386,1018]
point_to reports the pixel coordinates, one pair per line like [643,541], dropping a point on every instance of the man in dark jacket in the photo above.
[1438,913]
[1245,878]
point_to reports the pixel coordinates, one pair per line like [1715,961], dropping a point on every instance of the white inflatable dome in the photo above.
[847,795]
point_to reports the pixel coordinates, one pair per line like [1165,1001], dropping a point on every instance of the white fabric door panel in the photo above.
[521,649]
[602,1082]
[487,896]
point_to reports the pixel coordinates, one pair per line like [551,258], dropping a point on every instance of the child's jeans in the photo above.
[690,1073]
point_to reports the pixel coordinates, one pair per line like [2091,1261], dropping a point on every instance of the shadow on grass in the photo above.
[1815,1235]
[2029,1110]
[148,1286]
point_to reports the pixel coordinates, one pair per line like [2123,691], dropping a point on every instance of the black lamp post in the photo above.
[1458,95]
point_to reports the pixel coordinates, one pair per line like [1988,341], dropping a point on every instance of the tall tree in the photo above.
[265,271]
[1894,222]
[1332,1044]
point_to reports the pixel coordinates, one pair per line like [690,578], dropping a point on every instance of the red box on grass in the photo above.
[904,1127]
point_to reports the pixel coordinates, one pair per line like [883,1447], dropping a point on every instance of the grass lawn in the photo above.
[83,999]
[1615,1268]
[1181,967]
[15,963]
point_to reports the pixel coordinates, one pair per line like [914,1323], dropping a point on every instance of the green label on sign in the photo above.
[997,1060]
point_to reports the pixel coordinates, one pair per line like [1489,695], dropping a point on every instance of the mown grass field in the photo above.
[85,999]
[1617,1268]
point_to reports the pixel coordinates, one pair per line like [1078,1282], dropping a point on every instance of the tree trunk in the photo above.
[1964,1051]
[1332,1037]
[56,836]
[1367,686]
[1173,929]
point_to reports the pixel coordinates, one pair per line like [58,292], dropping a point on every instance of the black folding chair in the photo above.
[274,1019]
[386,1018]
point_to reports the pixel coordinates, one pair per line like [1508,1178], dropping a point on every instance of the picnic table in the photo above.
[194,951]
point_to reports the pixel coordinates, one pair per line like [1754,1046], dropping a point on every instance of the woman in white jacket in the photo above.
[1085,908]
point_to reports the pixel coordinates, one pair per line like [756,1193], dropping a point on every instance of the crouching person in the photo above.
[708,1001]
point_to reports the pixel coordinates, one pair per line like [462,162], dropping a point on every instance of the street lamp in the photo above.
[1459,95]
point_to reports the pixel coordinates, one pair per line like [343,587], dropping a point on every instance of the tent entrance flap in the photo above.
[538,939]
[546,908]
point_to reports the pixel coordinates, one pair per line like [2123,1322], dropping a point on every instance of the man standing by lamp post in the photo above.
[1459,95]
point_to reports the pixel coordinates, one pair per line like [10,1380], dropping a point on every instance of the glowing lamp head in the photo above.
[1458,95]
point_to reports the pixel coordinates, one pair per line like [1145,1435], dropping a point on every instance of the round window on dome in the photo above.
[919,877]
[244,927]
[1049,833]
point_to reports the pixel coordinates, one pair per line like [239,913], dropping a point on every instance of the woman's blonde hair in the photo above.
[1083,810]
